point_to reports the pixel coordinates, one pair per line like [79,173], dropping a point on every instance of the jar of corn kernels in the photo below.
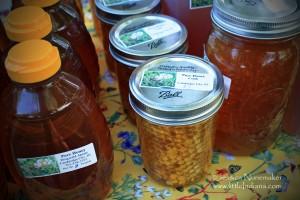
[137,39]
[176,98]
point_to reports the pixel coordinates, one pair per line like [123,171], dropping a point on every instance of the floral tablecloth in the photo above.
[270,175]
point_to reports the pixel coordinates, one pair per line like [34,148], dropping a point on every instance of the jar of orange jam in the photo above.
[176,98]
[110,12]
[136,39]
[58,144]
[253,43]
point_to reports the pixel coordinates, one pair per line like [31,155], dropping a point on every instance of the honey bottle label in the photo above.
[58,163]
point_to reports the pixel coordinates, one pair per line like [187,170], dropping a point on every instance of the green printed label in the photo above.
[150,33]
[117,2]
[194,4]
[177,80]
[58,163]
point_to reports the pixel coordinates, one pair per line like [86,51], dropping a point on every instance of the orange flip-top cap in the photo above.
[32,61]
[26,23]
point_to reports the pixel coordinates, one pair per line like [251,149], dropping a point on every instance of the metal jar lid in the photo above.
[176,90]
[137,39]
[111,11]
[258,19]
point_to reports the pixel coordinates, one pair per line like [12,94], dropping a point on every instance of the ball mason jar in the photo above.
[137,39]
[176,98]
[109,12]
[253,43]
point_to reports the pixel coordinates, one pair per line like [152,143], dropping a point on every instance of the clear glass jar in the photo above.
[176,98]
[58,144]
[259,56]
[166,36]
[21,24]
[110,12]
[68,24]
[192,14]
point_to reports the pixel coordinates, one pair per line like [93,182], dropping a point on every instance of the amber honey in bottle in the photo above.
[110,12]
[31,22]
[3,183]
[176,98]
[68,24]
[76,4]
[195,15]
[254,45]
[136,39]
[291,122]
[59,146]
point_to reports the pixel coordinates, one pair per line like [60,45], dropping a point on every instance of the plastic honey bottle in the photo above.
[58,144]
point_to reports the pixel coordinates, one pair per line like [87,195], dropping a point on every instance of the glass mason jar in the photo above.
[68,24]
[110,12]
[137,39]
[176,98]
[58,144]
[191,13]
[31,22]
[254,46]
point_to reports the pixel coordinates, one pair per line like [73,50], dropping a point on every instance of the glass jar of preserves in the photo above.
[176,98]
[137,39]
[59,146]
[110,12]
[68,24]
[191,13]
[254,46]
[31,22]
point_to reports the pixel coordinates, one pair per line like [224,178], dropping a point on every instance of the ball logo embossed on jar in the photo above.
[176,98]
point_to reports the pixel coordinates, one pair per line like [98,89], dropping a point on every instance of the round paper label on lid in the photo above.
[148,35]
[177,79]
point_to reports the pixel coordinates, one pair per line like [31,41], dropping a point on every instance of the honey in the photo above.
[68,24]
[176,99]
[173,154]
[166,36]
[258,56]
[21,24]
[58,147]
